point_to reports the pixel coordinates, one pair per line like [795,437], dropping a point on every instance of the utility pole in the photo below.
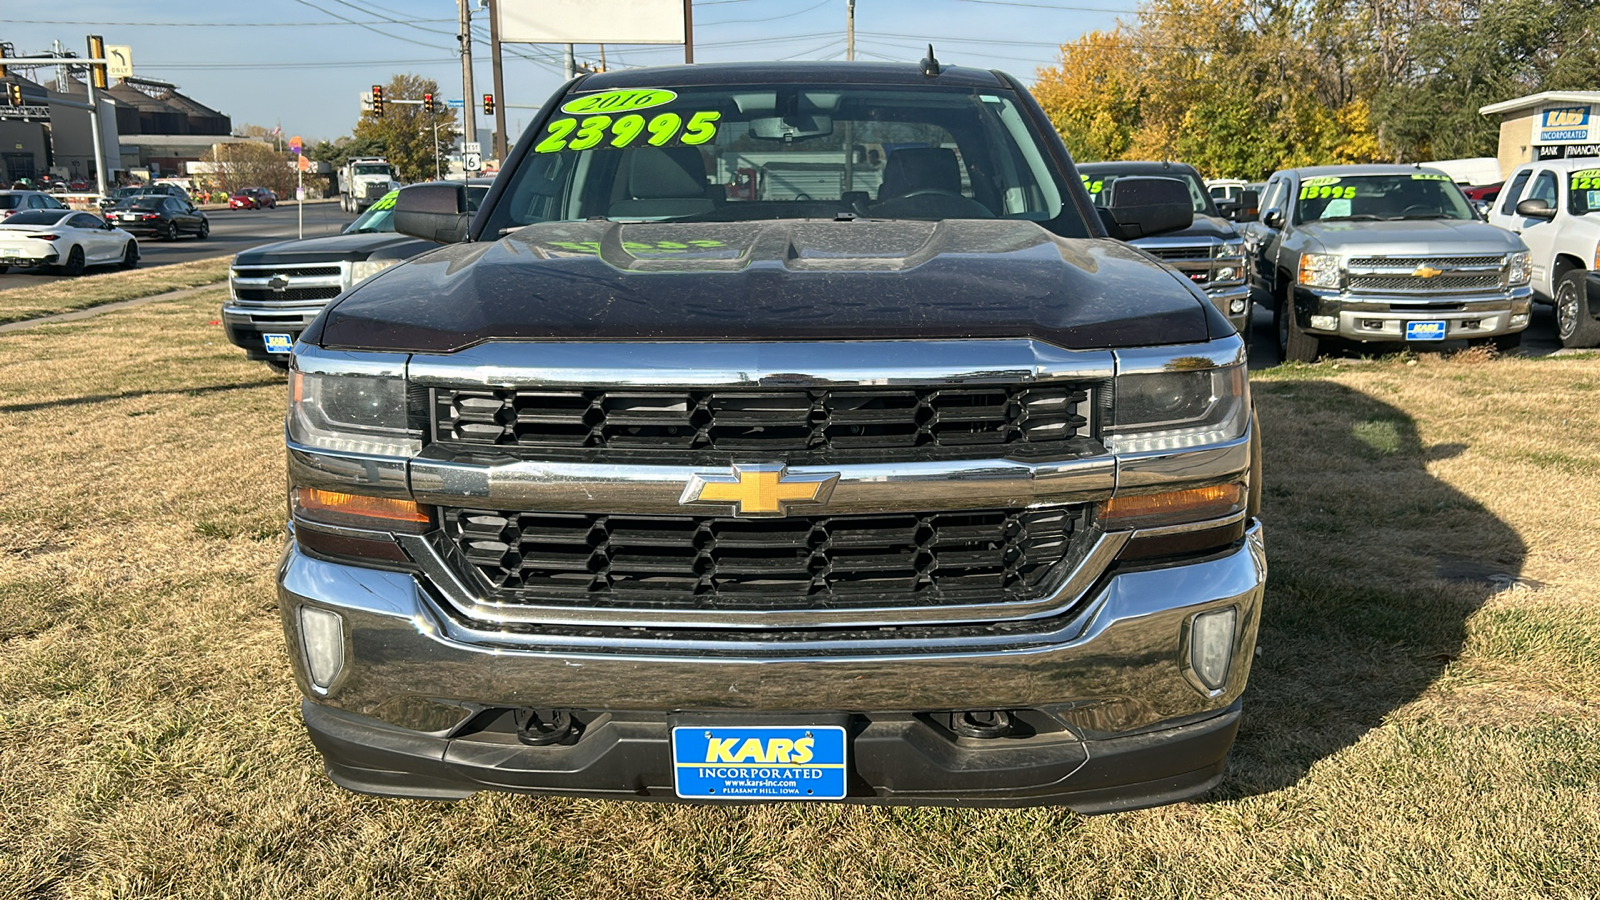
[569,66]
[499,82]
[469,112]
[850,29]
[688,31]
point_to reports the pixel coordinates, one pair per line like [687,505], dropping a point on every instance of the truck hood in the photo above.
[334,248]
[1414,237]
[1204,227]
[788,280]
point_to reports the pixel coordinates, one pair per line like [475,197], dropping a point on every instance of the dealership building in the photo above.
[1550,125]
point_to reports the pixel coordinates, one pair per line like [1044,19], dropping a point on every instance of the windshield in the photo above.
[769,151]
[38,217]
[372,170]
[1097,183]
[1584,191]
[1408,195]
[379,217]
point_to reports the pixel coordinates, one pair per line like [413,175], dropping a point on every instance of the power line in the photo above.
[370,28]
[1054,6]
[295,65]
[204,24]
[766,19]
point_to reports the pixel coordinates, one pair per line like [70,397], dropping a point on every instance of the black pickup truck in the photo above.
[777,432]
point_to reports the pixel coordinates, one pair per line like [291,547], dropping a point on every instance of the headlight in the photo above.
[1174,410]
[1228,249]
[353,413]
[363,269]
[1519,269]
[1319,270]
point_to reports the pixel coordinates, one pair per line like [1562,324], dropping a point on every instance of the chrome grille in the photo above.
[288,295]
[834,424]
[1192,252]
[1412,284]
[287,285]
[794,563]
[1414,262]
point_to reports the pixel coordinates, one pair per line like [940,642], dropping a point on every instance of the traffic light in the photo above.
[97,71]
[5,51]
[14,92]
[427,103]
[377,101]
[488,104]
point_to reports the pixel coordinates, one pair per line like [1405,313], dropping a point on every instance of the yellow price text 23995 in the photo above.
[624,131]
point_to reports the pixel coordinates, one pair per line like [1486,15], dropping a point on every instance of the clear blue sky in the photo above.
[297,62]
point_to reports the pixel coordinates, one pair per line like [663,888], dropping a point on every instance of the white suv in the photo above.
[1555,206]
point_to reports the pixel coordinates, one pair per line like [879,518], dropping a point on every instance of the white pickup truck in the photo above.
[1555,206]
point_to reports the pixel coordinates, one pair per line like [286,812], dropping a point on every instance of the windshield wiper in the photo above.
[1433,215]
[1366,216]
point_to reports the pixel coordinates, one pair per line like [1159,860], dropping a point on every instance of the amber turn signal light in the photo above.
[1173,507]
[359,511]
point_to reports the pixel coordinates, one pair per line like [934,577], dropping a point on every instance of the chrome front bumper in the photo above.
[1382,318]
[1114,664]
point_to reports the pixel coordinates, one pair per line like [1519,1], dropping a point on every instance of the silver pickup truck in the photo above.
[1384,253]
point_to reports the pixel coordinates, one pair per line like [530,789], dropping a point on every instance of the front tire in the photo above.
[130,255]
[1294,345]
[1574,325]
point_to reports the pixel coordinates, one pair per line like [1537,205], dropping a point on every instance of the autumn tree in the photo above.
[410,138]
[243,164]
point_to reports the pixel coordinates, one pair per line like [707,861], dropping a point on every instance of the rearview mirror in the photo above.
[1249,206]
[433,212]
[1273,218]
[1141,206]
[787,128]
[1535,209]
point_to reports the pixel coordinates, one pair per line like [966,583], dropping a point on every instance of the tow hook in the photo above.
[988,723]
[542,727]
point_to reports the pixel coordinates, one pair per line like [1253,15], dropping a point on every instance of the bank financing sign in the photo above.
[1565,125]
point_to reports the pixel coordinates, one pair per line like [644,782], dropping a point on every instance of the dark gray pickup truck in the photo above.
[790,432]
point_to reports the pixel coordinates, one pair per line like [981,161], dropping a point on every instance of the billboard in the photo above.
[591,21]
[1565,125]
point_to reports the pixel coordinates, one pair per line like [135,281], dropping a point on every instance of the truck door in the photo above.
[1540,234]
[1276,203]
[1504,211]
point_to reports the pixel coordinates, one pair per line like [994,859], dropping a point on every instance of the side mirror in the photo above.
[1273,219]
[433,212]
[1228,209]
[1249,206]
[1141,206]
[1535,209]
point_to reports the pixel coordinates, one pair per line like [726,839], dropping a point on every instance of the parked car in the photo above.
[13,202]
[1384,253]
[1210,252]
[274,291]
[119,195]
[65,239]
[1554,206]
[923,489]
[161,217]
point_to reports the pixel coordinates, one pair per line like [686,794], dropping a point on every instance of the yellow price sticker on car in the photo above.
[618,101]
[386,201]
[1586,180]
[1320,180]
[1093,187]
[661,130]
[1327,192]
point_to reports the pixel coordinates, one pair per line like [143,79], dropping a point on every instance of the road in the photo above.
[232,230]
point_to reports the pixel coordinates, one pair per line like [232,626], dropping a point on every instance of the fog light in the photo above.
[1519,319]
[1326,323]
[322,634]
[1236,307]
[1211,646]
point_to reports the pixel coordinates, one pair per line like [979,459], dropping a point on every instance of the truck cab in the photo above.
[1554,207]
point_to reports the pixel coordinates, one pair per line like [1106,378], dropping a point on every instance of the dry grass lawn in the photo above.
[1424,720]
[100,287]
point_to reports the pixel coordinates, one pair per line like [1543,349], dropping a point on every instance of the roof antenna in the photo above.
[930,66]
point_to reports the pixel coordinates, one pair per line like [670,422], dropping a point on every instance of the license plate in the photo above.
[1425,331]
[278,343]
[759,763]
[12,253]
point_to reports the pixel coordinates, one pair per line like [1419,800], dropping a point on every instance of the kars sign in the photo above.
[1565,125]
[591,21]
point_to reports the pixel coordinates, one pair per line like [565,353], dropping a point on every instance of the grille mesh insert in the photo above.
[723,562]
[840,422]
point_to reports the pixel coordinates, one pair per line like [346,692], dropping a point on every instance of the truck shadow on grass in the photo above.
[126,395]
[1375,567]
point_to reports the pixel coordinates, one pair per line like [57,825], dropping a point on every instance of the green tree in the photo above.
[406,133]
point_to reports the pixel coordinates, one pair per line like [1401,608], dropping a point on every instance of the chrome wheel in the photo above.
[1566,309]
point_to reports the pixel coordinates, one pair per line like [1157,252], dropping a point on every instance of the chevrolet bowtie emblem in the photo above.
[1427,272]
[760,490]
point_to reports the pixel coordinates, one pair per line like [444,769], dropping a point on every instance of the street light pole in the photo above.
[469,113]
[499,82]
